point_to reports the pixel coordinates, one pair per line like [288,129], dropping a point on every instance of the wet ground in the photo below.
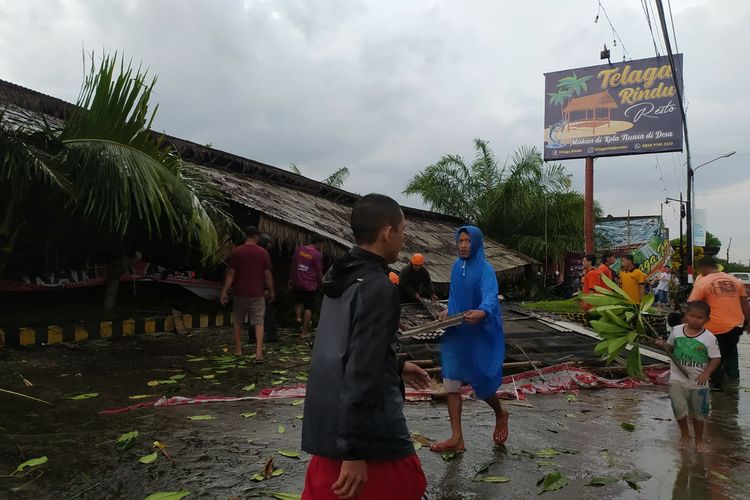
[215,458]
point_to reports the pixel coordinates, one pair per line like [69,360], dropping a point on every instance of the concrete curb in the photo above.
[78,332]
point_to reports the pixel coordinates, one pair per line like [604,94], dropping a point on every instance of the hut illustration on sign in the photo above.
[581,115]
[588,106]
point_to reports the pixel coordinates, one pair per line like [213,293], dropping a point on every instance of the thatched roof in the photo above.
[601,100]
[291,206]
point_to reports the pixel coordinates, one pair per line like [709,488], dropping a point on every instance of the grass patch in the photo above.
[555,306]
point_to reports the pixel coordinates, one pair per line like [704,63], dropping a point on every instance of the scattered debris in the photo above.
[34,462]
[168,495]
[126,441]
[201,417]
[552,481]
[627,426]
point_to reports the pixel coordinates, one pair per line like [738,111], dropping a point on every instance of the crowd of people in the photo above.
[354,426]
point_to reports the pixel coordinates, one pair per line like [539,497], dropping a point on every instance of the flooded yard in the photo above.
[215,456]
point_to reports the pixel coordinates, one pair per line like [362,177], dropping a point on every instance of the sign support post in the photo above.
[588,207]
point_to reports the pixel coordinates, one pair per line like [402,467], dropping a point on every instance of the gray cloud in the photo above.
[386,88]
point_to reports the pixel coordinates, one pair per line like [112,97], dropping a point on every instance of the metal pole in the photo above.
[588,207]
[689,228]
[683,278]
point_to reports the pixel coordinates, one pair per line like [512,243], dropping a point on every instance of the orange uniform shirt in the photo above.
[604,270]
[631,282]
[590,280]
[722,292]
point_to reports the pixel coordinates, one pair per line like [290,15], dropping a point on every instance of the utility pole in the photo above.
[730,244]
[683,277]
[588,207]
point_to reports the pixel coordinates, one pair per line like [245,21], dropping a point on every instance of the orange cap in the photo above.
[417,259]
[394,278]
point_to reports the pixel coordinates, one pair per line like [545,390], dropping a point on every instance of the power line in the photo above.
[615,34]
[652,10]
[671,19]
[645,4]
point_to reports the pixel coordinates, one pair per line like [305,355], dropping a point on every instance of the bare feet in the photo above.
[684,442]
[500,436]
[238,351]
[448,445]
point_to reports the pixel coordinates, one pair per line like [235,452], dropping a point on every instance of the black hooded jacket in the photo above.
[354,402]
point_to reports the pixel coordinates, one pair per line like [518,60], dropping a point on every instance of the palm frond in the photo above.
[337,178]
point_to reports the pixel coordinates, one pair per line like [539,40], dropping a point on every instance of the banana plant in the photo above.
[621,324]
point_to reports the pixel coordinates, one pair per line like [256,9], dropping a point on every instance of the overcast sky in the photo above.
[387,87]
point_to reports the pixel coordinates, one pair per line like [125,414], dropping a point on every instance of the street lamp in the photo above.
[691,205]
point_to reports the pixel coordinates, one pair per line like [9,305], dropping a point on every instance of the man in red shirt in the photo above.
[591,278]
[604,268]
[305,277]
[249,275]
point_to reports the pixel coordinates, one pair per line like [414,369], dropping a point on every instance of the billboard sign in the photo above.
[612,109]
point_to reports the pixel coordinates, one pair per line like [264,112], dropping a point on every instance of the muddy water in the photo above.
[215,458]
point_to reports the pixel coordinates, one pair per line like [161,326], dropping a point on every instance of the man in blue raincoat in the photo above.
[474,351]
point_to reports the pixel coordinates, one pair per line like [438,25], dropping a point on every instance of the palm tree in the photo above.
[336,179]
[105,167]
[525,204]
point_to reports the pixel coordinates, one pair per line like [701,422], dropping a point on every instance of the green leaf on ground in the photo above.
[257,477]
[417,446]
[86,395]
[168,495]
[193,360]
[635,477]
[126,440]
[480,469]
[571,398]
[152,383]
[627,426]
[201,417]
[279,372]
[719,475]
[552,481]
[167,382]
[179,376]
[419,438]
[495,479]
[250,387]
[251,414]
[142,396]
[277,382]
[282,429]
[547,453]
[449,455]
[299,417]
[150,458]
[221,371]
[298,402]
[602,480]
[289,454]
[608,458]
[277,472]
[209,377]
[281,496]
[31,463]
[301,377]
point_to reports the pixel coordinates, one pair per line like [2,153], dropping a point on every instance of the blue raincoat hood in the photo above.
[474,353]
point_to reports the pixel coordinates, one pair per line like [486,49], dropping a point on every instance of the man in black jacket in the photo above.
[354,424]
[415,281]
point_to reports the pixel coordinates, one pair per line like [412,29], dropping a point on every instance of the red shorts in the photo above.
[401,479]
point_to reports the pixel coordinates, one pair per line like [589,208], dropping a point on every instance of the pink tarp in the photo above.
[549,380]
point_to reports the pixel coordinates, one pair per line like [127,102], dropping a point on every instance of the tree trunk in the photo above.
[112,286]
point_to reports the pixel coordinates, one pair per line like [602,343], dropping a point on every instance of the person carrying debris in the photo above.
[305,278]
[249,276]
[729,312]
[415,281]
[354,424]
[474,351]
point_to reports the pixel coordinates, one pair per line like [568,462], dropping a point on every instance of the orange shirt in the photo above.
[722,292]
[631,281]
[590,280]
[604,270]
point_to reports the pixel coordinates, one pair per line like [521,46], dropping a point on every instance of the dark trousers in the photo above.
[730,363]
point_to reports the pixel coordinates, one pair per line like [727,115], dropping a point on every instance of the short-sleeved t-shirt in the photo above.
[631,281]
[722,292]
[250,263]
[308,265]
[604,270]
[664,279]
[590,280]
[693,354]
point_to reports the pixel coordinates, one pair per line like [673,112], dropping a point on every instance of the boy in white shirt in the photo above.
[697,351]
